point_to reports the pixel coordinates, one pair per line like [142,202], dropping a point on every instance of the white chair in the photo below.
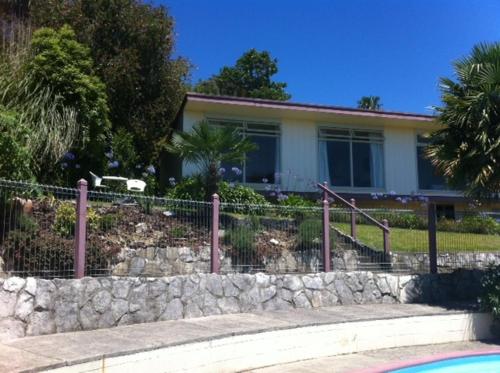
[134,185]
[96,181]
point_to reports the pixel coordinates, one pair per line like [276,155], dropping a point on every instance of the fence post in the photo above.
[326,236]
[214,247]
[387,240]
[432,222]
[80,229]
[353,220]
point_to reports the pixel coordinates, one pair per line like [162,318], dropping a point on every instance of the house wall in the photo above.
[299,148]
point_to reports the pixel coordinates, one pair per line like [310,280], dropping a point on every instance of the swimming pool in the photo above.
[479,363]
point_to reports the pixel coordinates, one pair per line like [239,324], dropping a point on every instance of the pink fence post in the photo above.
[80,229]
[326,236]
[353,220]
[387,240]
[214,247]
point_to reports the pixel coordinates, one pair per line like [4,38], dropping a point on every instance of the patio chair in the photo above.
[134,185]
[96,181]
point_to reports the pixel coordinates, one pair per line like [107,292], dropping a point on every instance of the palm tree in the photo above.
[370,103]
[467,150]
[208,147]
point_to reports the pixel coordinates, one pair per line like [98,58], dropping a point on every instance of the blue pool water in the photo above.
[476,364]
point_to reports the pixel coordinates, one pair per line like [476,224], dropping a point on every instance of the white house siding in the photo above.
[400,160]
[190,118]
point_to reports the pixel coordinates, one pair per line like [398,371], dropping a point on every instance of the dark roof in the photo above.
[301,106]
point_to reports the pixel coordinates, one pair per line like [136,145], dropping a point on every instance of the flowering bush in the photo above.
[490,297]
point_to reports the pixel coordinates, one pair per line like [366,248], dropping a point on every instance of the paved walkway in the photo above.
[56,350]
[352,362]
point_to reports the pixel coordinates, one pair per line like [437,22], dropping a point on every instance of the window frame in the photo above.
[243,124]
[352,138]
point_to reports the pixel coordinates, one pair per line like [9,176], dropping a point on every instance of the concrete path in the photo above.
[59,350]
[352,362]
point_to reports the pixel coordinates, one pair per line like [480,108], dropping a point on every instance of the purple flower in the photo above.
[265,180]
[151,169]
[404,200]
[64,165]
[171,180]
[282,197]
[139,166]
[144,174]
[114,164]
[268,187]
[398,198]
[109,154]
[69,156]
[272,194]
[231,185]
[392,193]
[77,166]
[236,170]
[222,170]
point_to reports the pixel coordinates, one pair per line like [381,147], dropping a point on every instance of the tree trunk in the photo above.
[212,182]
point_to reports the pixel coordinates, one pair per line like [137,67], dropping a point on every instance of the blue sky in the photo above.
[334,52]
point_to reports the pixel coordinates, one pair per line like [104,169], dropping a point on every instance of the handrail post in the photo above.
[432,224]
[80,229]
[353,220]
[214,246]
[326,236]
[387,239]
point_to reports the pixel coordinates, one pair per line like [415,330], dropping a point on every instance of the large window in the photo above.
[428,177]
[261,165]
[351,158]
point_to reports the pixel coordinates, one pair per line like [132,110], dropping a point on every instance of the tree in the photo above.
[250,77]
[370,103]
[467,150]
[131,44]
[208,147]
[60,63]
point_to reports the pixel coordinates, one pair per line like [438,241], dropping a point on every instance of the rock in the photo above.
[101,301]
[383,285]
[300,300]
[243,282]
[120,289]
[274,242]
[141,228]
[192,310]
[229,289]
[11,329]
[228,305]
[119,307]
[214,284]
[210,305]
[89,317]
[267,293]
[328,277]
[344,292]
[41,323]
[24,306]
[30,287]
[14,284]
[262,280]
[136,266]
[66,317]
[173,311]
[157,287]
[175,287]
[7,303]
[106,320]
[292,282]
[312,282]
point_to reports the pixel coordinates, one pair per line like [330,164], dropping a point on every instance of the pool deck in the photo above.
[89,347]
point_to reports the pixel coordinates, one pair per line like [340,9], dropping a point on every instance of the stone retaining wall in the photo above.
[450,261]
[34,306]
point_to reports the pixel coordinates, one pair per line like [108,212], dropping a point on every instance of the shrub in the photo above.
[26,224]
[65,219]
[310,233]
[242,240]
[190,188]
[490,296]
[240,194]
[294,200]
[108,221]
[479,224]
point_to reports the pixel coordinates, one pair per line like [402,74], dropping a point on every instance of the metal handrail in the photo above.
[373,220]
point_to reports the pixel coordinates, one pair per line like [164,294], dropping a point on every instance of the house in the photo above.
[361,154]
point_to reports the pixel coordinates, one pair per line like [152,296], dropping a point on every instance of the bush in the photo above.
[311,234]
[490,296]
[479,224]
[242,240]
[240,194]
[294,200]
[65,219]
[191,188]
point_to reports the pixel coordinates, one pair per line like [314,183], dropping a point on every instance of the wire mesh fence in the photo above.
[270,238]
[36,235]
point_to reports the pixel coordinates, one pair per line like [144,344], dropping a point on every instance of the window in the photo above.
[428,178]
[261,164]
[351,158]
[445,212]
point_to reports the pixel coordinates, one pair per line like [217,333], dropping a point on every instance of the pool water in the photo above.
[477,364]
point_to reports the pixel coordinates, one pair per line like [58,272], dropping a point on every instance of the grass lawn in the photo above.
[413,240]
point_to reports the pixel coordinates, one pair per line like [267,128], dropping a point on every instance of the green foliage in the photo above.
[240,194]
[59,61]
[467,150]
[108,221]
[15,162]
[132,44]
[208,147]
[250,77]
[294,200]
[470,224]
[370,103]
[490,297]
[242,240]
[191,188]
[397,219]
[310,233]
[124,151]
[179,231]
[65,219]
[27,224]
